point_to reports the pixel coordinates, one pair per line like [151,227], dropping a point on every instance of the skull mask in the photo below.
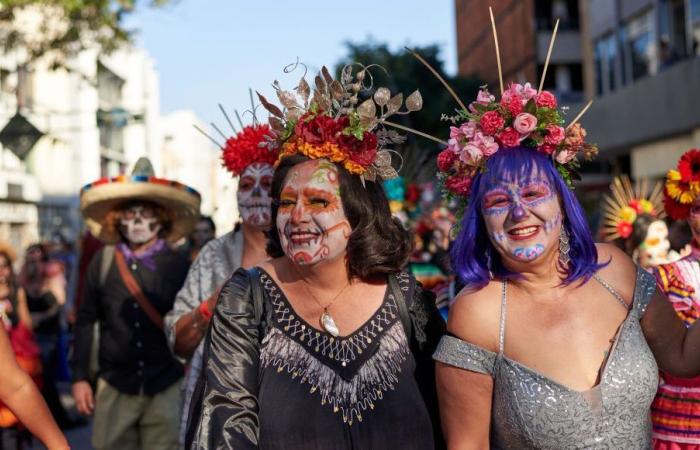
[139,223]
[254,195]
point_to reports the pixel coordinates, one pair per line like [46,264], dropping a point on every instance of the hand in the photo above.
[84,400]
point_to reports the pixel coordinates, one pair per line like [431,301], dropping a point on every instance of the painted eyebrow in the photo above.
[313,192]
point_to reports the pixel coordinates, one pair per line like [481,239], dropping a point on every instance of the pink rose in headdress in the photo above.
[512,103]
[547,148]
[555,134]
[509,137]
[524,123]
[484,97]
[575,135]
[471,154]
[491,122]
[566,155]
[487,144]
[546,99]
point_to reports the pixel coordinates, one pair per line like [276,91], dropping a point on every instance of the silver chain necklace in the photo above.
[326,320]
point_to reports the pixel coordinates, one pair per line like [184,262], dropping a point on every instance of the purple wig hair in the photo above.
[472,249]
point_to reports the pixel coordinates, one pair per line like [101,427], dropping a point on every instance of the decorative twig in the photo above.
[221,133]
[238,117]
[411,130]
[498,52]
[583,111]
[228,119]
[549,53]
[437,75]
[207,136]
[252,105]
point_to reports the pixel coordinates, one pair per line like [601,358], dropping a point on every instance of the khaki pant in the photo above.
[132,422]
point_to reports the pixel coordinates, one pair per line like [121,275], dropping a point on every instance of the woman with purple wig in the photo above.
[555,340]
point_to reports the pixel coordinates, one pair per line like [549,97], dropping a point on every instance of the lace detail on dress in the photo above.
[343,350]
[349,397]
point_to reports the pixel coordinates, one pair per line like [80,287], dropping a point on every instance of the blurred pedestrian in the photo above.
[244,247]
[130,284]
[21,396]
[204,231]
[43,281]
[17,322]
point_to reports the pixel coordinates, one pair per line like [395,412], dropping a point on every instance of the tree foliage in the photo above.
[59,29]
[404,73]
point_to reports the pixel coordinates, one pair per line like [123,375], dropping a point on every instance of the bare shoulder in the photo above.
[474,316]
[620,272]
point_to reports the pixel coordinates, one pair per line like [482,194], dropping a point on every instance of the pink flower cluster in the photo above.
[522,117]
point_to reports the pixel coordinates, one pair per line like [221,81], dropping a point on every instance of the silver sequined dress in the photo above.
[531,411]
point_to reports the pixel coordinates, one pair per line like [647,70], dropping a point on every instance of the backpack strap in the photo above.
[106,262]
[402,300]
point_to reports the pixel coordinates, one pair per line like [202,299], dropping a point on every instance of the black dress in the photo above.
[301,388]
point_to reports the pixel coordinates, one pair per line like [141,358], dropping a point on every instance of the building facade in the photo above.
[642,68]
[96,118]
[524,31]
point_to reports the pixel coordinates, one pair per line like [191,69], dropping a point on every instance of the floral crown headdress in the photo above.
[524,116]
[244,147]
[626,202]
[682,185]
[332,123]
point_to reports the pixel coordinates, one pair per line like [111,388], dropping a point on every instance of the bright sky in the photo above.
[212,51]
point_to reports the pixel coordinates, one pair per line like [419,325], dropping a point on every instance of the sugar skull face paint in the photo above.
[254,195]
[139,223]
[522,218]
[310,219]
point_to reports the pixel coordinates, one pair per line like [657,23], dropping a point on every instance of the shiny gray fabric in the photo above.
[531,411]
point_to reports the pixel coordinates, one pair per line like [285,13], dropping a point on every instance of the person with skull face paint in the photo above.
[555,341]
[130,284]
[187,322]
[328,344]
[676,412]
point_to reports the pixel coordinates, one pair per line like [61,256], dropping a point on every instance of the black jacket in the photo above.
[224,408]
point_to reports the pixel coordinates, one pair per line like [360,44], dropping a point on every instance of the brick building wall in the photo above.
[516,38]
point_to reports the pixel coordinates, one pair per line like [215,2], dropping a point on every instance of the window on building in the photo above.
[639,57]
[605,55]
[14,191]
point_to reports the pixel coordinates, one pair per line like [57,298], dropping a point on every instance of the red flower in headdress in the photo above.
[624,229]
[675,209]
[689,165]
[244,149]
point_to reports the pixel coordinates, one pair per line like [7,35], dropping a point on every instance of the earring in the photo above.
[564,247]
[488,263]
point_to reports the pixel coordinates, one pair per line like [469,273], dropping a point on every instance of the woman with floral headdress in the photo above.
[554,342]
[327,345]
[675,411]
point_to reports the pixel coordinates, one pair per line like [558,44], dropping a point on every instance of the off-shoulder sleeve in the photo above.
[224,409]
[456,352]
[643,291]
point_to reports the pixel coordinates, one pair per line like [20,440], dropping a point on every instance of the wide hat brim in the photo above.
[99,198]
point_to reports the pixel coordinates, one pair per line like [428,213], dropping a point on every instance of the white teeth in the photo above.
[523,231]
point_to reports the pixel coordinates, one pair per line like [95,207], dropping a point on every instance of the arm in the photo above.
[86,318]
[186,324]
[463,373]
[224,409]
[20,394]
[22,310]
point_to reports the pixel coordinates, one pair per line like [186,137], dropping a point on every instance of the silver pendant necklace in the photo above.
[326,320]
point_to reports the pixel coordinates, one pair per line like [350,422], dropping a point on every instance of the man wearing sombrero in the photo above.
[130,285]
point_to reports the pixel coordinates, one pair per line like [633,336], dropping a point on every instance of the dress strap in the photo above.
[502,322]
[612,291]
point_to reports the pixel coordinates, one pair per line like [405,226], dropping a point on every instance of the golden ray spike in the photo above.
[549,53]
[583,111]
[642,188]
[498,52]
[411,130]
[437,75]
[628,189]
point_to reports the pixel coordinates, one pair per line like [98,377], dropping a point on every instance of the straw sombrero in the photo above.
[100,197]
